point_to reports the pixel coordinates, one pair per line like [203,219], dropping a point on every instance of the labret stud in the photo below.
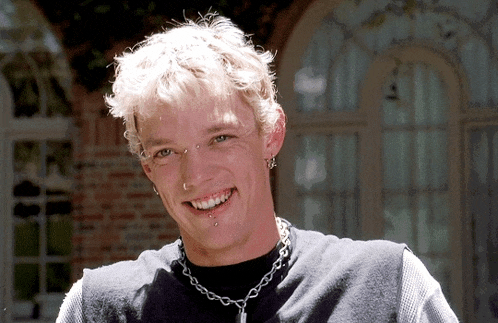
[216,224]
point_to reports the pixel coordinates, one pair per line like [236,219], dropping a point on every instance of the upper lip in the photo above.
[212,198]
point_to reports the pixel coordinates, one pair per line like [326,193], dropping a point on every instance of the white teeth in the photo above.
[211,202]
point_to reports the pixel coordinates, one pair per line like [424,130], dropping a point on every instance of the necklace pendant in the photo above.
[241,317]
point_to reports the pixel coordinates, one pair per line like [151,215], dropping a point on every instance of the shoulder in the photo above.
[119,284]
[146,263]
[330,248]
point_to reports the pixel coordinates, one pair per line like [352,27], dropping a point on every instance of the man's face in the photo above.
[207,161]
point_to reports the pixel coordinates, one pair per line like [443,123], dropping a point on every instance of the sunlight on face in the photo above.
[207,161]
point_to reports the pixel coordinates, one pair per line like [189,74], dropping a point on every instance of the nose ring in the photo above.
[185,186]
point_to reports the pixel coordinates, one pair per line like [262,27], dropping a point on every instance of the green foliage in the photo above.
[90,28]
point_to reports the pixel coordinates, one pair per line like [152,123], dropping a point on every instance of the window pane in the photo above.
[396,160]
[398,95]
[311,80]
[431,162]
[27,167]
[345,78]
[346,217]
[432,227]
[316,212]
[59,230]
[58,160]
[26,281]
[21,77]
[58,277]
[326,174]
[311,163]
[398,219]
[344,159]
[476,61]
[430,100]
[27,238]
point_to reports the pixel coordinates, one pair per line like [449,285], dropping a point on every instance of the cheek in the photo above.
[163,178]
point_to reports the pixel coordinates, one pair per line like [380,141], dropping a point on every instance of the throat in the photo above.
[235,280]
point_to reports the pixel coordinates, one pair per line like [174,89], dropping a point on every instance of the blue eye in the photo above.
[163,153]
[222,138]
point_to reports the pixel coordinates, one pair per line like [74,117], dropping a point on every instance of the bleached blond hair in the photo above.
[209,56]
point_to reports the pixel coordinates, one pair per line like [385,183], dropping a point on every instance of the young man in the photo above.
[200,111]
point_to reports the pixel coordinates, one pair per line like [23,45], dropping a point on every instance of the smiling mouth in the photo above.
[209,203]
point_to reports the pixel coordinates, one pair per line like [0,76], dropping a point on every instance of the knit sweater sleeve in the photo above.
[71,308]
[422,300]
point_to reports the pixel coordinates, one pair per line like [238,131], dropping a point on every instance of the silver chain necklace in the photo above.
[254,292]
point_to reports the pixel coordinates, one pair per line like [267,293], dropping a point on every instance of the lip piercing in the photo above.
[197,146]
[216,224]
[185,151]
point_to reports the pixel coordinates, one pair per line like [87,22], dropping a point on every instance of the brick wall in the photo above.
[115,211]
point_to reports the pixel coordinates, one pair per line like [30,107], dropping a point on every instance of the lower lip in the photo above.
[217,210]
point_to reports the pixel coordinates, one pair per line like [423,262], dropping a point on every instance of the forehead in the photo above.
[198,115]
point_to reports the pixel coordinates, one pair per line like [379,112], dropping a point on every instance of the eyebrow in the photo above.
[151,142]
[221,127]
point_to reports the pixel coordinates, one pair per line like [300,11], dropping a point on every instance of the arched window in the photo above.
[393,134]
[35,158]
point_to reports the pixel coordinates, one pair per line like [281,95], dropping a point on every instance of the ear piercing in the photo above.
[271,163]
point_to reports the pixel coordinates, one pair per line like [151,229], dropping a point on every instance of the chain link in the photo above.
[253,292]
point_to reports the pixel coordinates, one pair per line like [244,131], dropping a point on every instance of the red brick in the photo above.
[89,217]
[126,216]
[140,195]
[120,175]
[106,196]
[152,216]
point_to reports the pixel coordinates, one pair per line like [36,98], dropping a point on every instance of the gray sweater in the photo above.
[326,279]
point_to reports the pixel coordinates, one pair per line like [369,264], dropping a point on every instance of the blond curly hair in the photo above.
[210,55]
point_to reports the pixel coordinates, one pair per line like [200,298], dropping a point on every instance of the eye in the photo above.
[222,138]
[163,153]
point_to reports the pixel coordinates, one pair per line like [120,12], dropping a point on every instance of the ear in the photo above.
[275,139]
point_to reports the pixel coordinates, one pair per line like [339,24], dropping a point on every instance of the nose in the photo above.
[195,168]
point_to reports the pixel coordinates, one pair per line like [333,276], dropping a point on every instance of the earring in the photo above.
[155,190]
[271,163]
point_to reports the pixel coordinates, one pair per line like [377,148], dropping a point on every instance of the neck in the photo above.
[260,242]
